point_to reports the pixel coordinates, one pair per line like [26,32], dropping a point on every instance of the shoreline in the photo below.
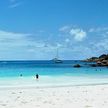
[45,87]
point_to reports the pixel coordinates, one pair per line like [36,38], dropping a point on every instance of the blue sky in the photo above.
[34,29]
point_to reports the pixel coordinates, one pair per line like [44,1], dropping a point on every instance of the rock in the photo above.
[102,56]
[105,61]
[100,61]
[106,57]
[77,66]
[92,59]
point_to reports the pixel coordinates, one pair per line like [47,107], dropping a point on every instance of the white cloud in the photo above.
[64,29]
[10,40]
[78,34]
[91,30]
[11,34]
[95,44]
[14,3]
[67,40]
[21,44]
[98,29]
[59,45]
[102,44]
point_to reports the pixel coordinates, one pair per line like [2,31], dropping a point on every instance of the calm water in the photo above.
[50,74]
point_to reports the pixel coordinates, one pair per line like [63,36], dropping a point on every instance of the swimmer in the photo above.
[20,75]
[37,76]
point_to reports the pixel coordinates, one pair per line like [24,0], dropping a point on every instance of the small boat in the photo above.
[56,60]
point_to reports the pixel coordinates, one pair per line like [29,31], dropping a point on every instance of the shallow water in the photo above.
[50,74]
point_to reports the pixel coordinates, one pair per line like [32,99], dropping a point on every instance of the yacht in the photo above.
[56,59]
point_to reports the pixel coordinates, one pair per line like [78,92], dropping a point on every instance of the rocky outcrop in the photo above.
[77,66]
[99,61]
[92,59]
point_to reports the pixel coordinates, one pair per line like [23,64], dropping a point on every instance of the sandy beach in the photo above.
[55,97]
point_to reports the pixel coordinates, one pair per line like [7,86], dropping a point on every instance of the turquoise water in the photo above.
[50,74]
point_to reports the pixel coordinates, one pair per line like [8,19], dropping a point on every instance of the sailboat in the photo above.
[56,59]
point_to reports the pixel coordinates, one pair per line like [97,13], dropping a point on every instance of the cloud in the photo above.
[12,39]
[15,45]
[78,34]
[23,41]
[64,29]
[69,43]
[98,29]
[102,44]
[99,39]
[72,31]
[91,30]
[14,3]
[95,44]
[32,46]
[67,40]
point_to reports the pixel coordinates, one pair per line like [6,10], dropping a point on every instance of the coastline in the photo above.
[49,87]
[56,88]
[91,96]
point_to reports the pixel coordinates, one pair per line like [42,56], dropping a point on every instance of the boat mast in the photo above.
[57,56]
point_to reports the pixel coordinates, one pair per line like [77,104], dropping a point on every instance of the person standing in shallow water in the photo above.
[20,75]
[37,76]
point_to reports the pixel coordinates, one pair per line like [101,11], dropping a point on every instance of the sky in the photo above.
[35,29]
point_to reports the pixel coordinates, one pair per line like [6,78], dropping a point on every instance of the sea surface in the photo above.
[50,73]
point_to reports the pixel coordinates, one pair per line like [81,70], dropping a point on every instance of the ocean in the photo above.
[50,73]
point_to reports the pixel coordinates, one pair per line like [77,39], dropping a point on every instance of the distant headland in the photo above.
[102,60]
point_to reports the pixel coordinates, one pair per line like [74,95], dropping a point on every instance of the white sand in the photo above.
[58,97]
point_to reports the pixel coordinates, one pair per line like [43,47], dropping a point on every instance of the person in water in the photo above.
[37,76]
[20,75]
